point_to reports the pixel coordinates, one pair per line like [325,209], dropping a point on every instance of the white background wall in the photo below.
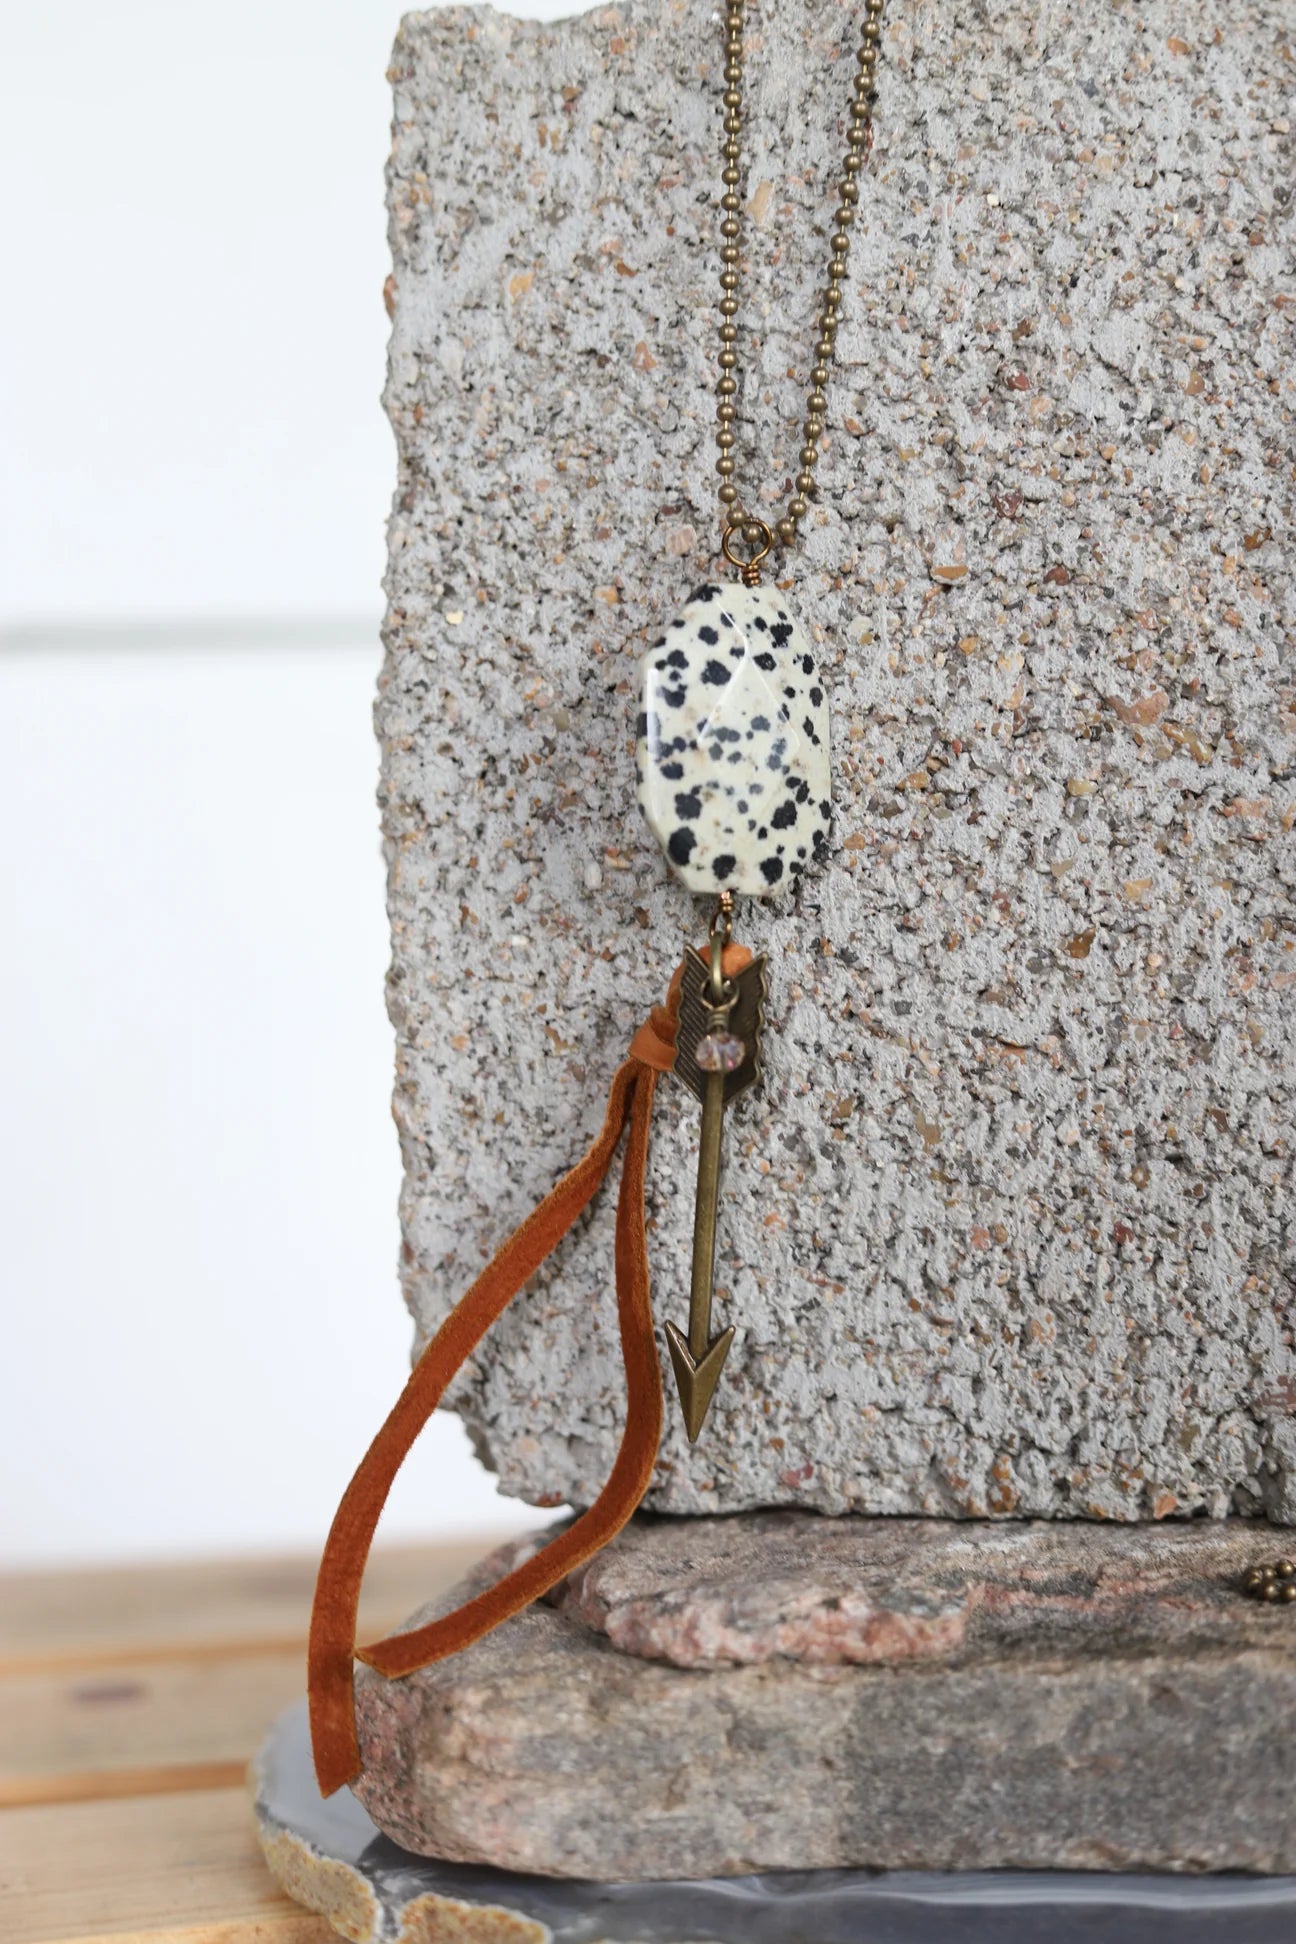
[198,1175]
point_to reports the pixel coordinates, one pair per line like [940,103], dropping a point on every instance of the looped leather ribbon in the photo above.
[332,1651]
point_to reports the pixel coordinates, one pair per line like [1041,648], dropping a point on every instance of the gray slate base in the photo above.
[331,1858]
[779,1691]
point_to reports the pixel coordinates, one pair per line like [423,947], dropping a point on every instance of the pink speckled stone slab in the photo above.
[779,1691]
[330,1857]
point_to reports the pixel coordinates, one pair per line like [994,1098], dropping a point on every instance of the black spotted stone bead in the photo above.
[733,744]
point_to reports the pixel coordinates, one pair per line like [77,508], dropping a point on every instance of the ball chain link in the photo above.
[1273,1582]
[859,140]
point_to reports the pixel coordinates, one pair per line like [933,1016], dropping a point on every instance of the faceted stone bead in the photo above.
[733,743]
[720,1053]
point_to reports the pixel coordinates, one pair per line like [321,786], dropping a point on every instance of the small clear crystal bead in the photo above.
[720,1053]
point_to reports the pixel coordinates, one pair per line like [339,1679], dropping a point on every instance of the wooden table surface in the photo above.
[131,1701]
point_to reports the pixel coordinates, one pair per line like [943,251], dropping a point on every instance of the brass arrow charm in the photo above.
[717,1057]
[698,1359]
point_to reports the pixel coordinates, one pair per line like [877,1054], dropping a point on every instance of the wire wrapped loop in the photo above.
[756,537]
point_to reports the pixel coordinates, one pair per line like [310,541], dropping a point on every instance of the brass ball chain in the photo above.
[756,534]
[1273,1582]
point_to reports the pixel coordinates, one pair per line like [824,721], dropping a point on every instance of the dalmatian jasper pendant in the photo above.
[732,744]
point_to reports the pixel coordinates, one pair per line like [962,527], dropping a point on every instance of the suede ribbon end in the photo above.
[332,1649]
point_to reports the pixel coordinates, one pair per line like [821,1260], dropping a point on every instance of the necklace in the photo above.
[732,733]
[755,533]
[734,779]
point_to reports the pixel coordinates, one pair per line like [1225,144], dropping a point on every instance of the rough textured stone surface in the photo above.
[1005,1230]
[329,1856]
[783,1692]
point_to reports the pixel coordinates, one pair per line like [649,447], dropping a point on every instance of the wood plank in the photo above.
[181,1869]
[164,1714]
[107,1785]
[109,1616]
[148,1715]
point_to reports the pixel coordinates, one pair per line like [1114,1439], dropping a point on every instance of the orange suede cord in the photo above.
[332,1651]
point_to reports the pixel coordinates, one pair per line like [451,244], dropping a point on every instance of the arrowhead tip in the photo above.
[696,1382]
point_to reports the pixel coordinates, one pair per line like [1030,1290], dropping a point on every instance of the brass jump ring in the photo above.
[722,917]
[748,564]
[719,934]
[718,980]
